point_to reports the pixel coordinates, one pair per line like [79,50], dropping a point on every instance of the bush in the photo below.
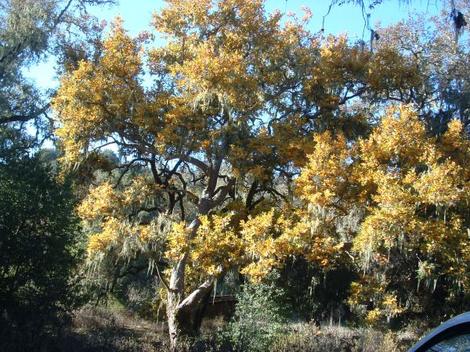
[258,320]
[38,253]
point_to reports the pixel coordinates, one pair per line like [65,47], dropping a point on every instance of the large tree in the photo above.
[209,148]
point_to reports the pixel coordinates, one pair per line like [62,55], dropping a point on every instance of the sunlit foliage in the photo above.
[413,192]
[251,145]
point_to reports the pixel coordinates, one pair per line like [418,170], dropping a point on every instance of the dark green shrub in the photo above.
[258,320]
[39,251]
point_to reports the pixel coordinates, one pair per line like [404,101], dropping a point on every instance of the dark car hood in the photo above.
[457,325]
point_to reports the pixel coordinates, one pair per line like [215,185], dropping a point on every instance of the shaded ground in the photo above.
[99,329]
[103,330]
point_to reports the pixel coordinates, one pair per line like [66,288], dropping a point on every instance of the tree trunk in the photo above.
[185,317]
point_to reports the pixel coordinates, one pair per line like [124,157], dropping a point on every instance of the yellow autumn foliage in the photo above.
[238,98]
[411,187]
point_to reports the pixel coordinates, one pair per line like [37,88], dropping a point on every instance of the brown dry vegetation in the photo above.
[104,329]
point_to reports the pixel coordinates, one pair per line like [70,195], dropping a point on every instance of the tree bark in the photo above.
[185,316]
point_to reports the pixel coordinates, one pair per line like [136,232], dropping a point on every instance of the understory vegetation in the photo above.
[114,329]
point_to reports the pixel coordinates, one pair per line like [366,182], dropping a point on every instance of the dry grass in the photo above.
[100,329]
[310,338]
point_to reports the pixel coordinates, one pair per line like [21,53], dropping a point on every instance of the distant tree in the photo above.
[455,8]
[441,87]
[31,30]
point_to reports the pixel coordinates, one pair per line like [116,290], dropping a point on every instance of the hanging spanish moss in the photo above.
[458,21]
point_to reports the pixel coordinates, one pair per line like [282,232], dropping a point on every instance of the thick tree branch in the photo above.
[191,160]
[24,117]
[197,295]
[223,193]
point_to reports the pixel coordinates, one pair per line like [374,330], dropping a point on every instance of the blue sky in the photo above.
[347,18]
[137,15]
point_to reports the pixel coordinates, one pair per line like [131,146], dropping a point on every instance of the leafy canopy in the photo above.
[244,152]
